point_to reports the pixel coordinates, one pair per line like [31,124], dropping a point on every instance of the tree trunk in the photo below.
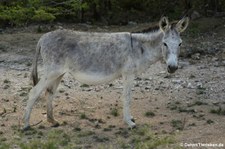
[95,12]
[187,8]
[81,12]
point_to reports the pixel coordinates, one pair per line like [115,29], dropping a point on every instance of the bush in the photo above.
[14,12]
[19,16]
[4,19]
[15,16]
[43,16]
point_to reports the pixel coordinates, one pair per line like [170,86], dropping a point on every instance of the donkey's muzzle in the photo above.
[171,68]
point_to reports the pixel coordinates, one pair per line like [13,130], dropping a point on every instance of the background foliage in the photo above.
[24,12]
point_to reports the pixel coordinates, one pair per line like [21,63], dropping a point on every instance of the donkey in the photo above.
[96,58]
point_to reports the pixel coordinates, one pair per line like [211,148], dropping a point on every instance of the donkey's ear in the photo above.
[164,24]
[182,24]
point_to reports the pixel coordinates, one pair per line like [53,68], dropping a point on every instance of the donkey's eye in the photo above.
[165,44]
[180,44]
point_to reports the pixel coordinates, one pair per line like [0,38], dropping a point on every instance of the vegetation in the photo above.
[139,138]
[178,124]
[142,138]
[218,111]
[83,116]
[114,112]
[24,12]
[149,114]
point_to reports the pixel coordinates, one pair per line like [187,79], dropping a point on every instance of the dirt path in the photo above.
[187,107]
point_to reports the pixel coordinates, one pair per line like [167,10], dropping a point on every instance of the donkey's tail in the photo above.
[34,74]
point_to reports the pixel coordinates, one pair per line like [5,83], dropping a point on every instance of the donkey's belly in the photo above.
[94,78]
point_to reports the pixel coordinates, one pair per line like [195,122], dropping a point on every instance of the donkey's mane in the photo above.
[154,27]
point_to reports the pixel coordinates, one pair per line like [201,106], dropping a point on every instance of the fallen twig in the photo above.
[3,112]
[37,123]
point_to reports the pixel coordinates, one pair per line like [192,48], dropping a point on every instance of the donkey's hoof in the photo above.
[55,124]
[26,128]
[133,120]
[132,127]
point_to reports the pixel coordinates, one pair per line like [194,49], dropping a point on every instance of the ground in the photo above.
[171,110]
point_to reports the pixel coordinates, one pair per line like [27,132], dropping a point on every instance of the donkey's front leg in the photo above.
[128,82]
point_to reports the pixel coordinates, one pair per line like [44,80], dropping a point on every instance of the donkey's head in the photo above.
[171,41]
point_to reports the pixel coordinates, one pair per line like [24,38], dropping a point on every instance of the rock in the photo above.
[61,90]
[84,85]
[222,55]
[157,88]
[17,138]
[200,91]
[177,81]
[86,89]
[223,63]
[178,86]
[67,85]
[147,87]
[199,85]
[215,59]
[190,86]
[191,76]
[196,56]
[216,64]
[6,86]
[183,64]
[212,50]
[132,23]
[162,72]
[25,75]
[23,94]
[5,100]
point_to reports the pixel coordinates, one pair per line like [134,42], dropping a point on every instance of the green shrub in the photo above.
[219,111]
[37,144]
[43,16]
[15,16]
[4,146]
[149,114]
[114,112]
[4,19]
[34,3]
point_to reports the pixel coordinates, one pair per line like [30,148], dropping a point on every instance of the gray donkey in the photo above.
[96,58]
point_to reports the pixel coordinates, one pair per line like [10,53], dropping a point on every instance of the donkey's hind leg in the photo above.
[51,91]
[35,93]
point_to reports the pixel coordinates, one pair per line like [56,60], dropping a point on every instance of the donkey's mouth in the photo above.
[171,69]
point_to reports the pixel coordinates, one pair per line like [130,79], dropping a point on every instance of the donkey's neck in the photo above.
[152,38]
[146,49]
